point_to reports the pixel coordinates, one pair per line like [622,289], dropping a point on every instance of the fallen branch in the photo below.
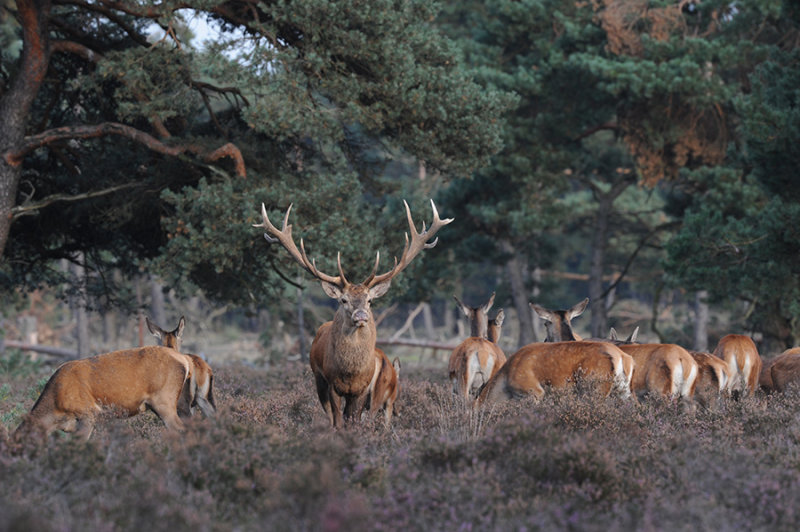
[46,349]
[416,343]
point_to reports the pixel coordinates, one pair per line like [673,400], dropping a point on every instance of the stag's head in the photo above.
[355,299]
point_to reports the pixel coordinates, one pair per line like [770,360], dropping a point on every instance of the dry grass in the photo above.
[270,462]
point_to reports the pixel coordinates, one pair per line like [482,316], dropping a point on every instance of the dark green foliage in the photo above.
[331,104]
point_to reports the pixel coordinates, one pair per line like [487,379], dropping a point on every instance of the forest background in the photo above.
[640,153]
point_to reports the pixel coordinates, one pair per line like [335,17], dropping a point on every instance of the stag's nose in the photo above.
[360,317]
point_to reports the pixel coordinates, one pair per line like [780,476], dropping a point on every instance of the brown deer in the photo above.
[744,362]
[129,381]
[712,378]
[200,391]
[557,365]
[343,353]
[667,369]
[385,386]
[496,327]
[475,360]
[558,323]
[781,371]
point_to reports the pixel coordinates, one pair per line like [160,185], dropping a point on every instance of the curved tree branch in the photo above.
[28,208]
[29,144]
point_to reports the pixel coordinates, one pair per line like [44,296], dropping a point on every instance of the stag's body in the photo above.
[744,362]
[129,381]
[781,371]
[478,358]
[558,365]
[200,389]
[343,365]
[712,378]
[343,351]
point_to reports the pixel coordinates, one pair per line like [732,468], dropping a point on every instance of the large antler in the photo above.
[284,237]
[419,241]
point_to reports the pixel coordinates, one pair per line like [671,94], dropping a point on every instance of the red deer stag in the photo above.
[385,386]
[781,371]
[744,362]
[475,360]
[343,351]
[129,381]
[201,378]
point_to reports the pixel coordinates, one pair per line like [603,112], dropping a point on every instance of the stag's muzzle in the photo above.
[360,317]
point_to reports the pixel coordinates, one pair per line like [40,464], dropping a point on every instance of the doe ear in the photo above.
[181,325]
[396,364]
[379,289]
[498,320]
[486,306]
[542,312]
[578,309]
[333,291]
[154,329]
[464,308]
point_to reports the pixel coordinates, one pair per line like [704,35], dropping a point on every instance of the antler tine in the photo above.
[284,237]
[417,243]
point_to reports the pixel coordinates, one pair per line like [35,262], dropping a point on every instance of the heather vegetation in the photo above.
[270,461]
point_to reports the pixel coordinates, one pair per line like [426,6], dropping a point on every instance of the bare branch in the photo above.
[29,144]
[28,208]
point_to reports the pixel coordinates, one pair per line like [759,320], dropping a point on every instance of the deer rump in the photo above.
[557,365]
[472,364]
[128,381]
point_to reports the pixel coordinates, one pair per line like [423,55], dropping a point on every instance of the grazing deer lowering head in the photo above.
[200,391]
[781,372]
[343,351]
[475,360]
[744,363]
[130,381]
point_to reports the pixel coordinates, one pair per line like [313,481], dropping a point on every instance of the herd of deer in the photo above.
[348,366]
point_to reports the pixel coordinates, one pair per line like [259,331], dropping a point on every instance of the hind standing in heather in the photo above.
[200,391]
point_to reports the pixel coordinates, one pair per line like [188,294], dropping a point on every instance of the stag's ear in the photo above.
[379,289]
[333,291]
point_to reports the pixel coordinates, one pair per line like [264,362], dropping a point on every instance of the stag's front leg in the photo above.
[336,408]
[353,406]
[324,394]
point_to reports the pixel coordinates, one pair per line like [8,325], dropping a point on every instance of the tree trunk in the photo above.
[700,342]
[157,312]
[16,102]
[78,305]
[301,327]
[605,207]
[517,269]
